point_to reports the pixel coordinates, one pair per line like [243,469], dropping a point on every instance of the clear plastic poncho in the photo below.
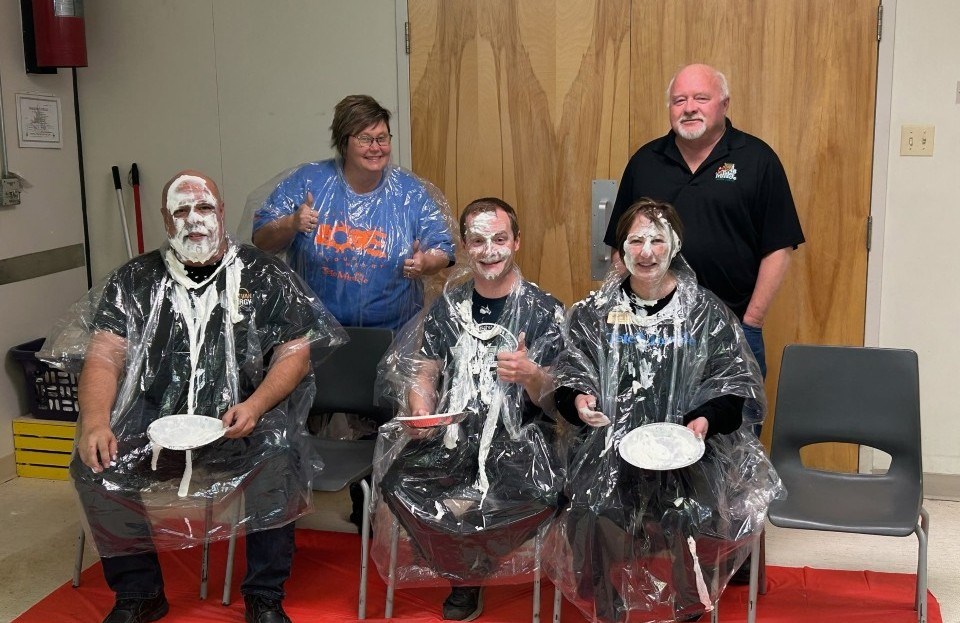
[470,497]
[659,544]
[354,257]
[195,348]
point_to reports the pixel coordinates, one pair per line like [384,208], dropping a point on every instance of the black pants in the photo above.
[121,527]
[469,545]
[269,557]
[642,520]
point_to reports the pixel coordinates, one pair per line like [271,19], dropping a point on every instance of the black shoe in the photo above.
[138,610]
[465,603]
[263,610]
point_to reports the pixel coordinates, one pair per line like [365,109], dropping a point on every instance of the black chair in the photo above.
[868,396]
[345,384]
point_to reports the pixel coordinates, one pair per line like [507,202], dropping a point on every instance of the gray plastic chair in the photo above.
[868,396]
[345,384]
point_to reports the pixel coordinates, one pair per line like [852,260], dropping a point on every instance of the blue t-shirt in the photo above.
[354,259]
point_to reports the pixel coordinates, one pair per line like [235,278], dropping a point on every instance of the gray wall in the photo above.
[49,217]
[240,89]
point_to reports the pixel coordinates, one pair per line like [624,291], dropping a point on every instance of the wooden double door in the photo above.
[531,100]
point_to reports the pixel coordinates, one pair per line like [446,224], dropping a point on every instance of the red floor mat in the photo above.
[323,589]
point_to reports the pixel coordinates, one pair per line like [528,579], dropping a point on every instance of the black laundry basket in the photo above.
[51,393]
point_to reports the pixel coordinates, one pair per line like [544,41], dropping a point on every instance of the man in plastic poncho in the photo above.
[652,346]
[470,494]
[201,326]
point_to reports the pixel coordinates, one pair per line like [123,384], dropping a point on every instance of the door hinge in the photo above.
[406,37]
[869,233]
[879,21]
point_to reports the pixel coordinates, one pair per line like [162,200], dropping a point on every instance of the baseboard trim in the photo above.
[941,486]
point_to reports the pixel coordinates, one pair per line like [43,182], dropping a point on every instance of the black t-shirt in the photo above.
[487,310]
[735,208]
[528,309]
[274,308]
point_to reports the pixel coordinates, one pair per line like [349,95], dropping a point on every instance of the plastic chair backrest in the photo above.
[345,380]
[859,395]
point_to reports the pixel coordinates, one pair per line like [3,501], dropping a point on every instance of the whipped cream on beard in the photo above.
[187,191]
[488,256]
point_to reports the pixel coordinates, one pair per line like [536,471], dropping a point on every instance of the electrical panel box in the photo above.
[10,191]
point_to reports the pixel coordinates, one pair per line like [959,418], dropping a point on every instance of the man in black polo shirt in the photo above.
[740,223]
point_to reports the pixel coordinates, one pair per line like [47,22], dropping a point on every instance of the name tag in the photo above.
[617,316]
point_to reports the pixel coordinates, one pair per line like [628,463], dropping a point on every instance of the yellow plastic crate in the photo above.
[43,447]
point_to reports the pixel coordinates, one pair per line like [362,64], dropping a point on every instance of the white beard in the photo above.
[196,252]
[691,135]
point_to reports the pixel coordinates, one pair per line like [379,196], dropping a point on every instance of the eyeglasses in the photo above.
[366,140]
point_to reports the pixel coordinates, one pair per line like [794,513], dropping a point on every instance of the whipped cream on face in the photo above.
[189,191]
[646,234]
[483,227]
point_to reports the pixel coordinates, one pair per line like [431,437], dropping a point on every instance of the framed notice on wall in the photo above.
[39,121]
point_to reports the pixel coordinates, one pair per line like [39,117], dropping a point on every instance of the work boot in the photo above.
[261,609]
[465,603]
[138,610]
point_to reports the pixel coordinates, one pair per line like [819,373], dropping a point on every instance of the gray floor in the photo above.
[40,524]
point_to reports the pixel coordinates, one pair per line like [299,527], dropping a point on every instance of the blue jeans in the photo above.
[754,337]
[269,557]
[755,342]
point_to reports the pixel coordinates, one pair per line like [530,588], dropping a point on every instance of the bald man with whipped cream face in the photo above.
[208,327]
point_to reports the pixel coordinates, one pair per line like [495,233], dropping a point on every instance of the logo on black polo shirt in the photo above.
[727,171]
[244,301]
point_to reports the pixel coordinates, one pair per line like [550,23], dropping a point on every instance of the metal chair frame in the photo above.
[392,575]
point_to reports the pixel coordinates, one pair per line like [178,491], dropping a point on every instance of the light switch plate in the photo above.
[916,140]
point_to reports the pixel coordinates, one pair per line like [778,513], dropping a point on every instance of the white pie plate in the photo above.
[184,431]
[661,446]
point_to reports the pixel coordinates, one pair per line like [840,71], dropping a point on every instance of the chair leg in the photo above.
[762,561]
[557,602]
[715,613]
[228,574]
[364,550]
[536,578]
[754,580]
[78,562]
[921,598]
[205,557]
[392,577]
[231,550]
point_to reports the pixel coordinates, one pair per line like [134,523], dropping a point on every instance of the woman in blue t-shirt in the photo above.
[361,231]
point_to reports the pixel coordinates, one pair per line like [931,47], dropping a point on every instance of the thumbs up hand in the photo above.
[305,218]
[516,366]
[413,265]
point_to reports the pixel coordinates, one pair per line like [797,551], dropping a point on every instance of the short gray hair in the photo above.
[722,79]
